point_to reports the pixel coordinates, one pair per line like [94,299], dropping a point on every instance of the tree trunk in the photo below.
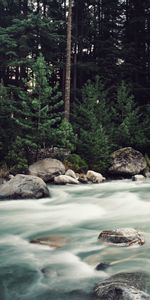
[68,64]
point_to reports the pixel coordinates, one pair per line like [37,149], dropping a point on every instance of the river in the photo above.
[77,213]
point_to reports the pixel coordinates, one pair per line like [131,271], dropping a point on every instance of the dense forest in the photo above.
[108,96]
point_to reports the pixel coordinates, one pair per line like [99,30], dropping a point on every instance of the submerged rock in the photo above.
[122,237]
[102,266]
[47,169]
[51,241]
[24,186]
[65,179]
[127,161]
[124,286]
[95,177]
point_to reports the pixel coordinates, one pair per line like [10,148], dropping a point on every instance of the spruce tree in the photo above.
[6,120]
[91,118]
[128,125]
[37,113]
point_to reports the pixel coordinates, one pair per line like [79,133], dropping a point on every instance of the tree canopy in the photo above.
[109,76]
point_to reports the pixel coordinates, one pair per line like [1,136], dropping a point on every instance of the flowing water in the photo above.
[77,213]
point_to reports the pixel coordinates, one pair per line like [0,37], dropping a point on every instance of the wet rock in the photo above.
[127,161]
[2,180]
[95,177]
[122,237]
[23,187]
[65,179]
[47,169]
[138,177]
[71,173]
[83,178]
[102,266]
[124,286]
[51,241]
[146,172]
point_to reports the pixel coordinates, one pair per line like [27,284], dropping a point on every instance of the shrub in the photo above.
[65,136]
[75,162]
[17,160]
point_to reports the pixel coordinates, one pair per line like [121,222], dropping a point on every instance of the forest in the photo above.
[108,84]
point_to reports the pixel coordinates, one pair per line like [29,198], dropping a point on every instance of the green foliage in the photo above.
[17,159]
[30,98]
[92,121]
[75,162]
[147,158]
[6,120]
[38,112]
[128,129]
[65,136]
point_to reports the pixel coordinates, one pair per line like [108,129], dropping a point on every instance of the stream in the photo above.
[78,214]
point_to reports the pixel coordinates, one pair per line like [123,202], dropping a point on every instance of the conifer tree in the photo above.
[38,111]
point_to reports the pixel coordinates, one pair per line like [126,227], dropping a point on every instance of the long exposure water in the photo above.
[78,214]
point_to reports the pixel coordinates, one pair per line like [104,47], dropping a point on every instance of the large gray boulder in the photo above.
[22,187]
[122,237]
[127,161]
[47,169]
[124,286]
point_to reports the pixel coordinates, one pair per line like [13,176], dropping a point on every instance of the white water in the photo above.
[77,213]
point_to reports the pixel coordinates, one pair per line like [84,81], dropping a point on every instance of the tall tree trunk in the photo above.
[68,63]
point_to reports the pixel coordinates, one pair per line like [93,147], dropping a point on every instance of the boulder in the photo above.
[47,169]
[65,179]
[2,180]
[71,173]
[127,161]
[146,172]
[138,177]
[95,177]
[51,241]
[122,237]
[82,178]
[24,186]
[124,286]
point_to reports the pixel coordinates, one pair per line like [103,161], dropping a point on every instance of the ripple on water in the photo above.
[78,213]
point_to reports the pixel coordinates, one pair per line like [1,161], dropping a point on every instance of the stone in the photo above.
[146,172]
[127,161]
[124,286]
[47,169]
[102,266]
[65,179]
[138,177]
[82,178]
[71,173]
[95,177]
[2,180]
[51,241]
[122,237]
[23,187]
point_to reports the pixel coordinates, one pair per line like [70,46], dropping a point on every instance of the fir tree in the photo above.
[91,124]
[38,112]
[6,120]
